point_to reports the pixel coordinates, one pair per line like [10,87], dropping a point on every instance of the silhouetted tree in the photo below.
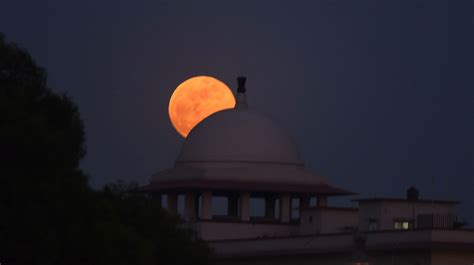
[168,242]
[41,144]
[48,214]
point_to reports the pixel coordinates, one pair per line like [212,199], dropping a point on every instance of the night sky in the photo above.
[377,94]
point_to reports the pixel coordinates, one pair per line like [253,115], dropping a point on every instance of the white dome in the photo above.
[239,135]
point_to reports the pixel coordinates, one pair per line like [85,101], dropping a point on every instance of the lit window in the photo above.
[403,225]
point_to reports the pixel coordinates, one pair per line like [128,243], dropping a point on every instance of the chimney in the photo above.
[413,194]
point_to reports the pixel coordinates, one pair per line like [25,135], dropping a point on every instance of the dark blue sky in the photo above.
[378,94]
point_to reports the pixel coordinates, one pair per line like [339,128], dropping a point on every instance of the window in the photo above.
[403,224]
[257,207]
[219,205]
[295,208]
[277,208]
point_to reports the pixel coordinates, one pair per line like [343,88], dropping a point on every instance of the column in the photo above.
[285,205]
[245,206]
[270,206]
[206,205]
[190,206]
[233,205]
[172,202]
[322,201]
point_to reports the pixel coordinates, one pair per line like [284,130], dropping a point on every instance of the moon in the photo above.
[195,99]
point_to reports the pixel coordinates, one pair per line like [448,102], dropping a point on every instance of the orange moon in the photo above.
[197,98]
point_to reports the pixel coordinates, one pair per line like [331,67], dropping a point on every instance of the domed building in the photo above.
[241,157]
[240,182]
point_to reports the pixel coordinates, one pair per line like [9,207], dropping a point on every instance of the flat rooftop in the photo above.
[404,200]
[323,244]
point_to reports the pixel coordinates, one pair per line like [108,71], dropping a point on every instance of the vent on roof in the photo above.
[413,194]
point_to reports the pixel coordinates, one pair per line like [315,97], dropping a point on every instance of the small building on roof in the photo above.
[239,181]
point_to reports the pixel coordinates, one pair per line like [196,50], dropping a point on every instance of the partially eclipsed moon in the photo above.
[197,98]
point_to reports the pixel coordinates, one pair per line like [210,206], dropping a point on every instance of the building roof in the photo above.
[239,174]
[403,200]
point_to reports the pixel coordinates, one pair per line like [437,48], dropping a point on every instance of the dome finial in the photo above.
[241,84]
[241,96]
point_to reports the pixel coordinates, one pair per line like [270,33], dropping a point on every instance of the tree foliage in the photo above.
[49,215]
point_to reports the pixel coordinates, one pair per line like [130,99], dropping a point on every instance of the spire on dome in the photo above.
[241,84]
[241,96]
